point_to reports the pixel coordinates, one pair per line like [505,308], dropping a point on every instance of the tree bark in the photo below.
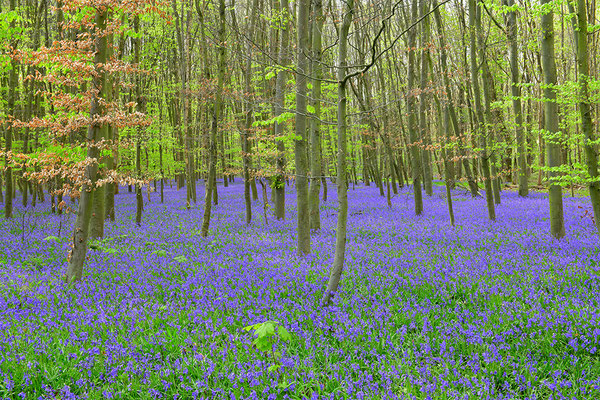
[80,234]
[303,220]
[8,135]
[585,110]
[141,105]
[511,27]
[315,134]
[557,225]
[111,136]
[475,25]
[211,181]
[253,9]
[423,98]
[447,175]
[283,61]
[99,202]
[489,96]
[342,183]
[415,147]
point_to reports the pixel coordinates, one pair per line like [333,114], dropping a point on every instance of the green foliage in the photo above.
[281,118]
[101,245]
[9,34]
[181,259]
[160,253]
[265,337]
[277,182]
[38,262]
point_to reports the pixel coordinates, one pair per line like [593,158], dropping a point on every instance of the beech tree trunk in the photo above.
[248,113]
[449,179]
[99,202]
[423,98]
[211,181]
[8,135]
[315,135]
[303,220]
[284,60]
[511,27]
[79,243]
[489,96]
[141,106]
[415,148]
[475,25]
[342,183]
[111,136]
[553,155]
[585,110]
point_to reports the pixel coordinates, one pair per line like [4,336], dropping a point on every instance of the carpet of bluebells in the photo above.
[426,311]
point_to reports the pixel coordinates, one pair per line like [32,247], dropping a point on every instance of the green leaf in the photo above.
[262,343]
[252,327]
[181,259]
[51,239]
[267,329]
[283,334]
[284,384]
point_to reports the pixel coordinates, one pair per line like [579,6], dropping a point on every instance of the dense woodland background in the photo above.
[484,95]
[209,170]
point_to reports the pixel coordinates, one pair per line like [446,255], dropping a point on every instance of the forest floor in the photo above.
[425,311]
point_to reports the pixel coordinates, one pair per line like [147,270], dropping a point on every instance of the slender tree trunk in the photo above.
[98,207]
[450,105]
[99,202]
[423,99]
[511,27]
[80,233]
[557,225]
[8,135]
[184,98]
[448,177]
[315,159]
[188,114]
[216,115]
[303,220]
[284,60]
[489,96]
[585,109]
[385,133]
[475,24]
[342,183]
[141,105]
[25,136]
[248,114]
[415,148]
[111,133]
[162,174]
[30,88]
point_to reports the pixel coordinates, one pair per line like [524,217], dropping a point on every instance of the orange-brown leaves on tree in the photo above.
[70,77]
